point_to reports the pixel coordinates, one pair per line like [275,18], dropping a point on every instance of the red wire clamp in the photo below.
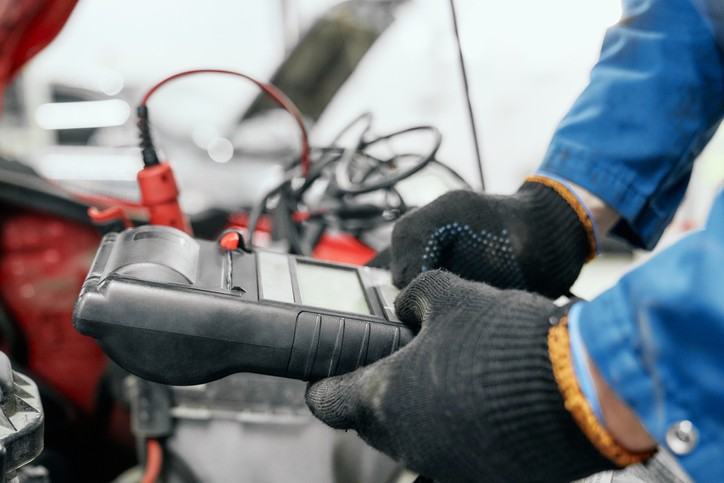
[114,213]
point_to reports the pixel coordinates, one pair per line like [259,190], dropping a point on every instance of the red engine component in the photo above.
[343,248]
[43,262]
[337,247]
[27,27]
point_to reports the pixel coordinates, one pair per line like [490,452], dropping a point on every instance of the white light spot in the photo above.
[110,82]
[76,115]
[203,134]
[220,150]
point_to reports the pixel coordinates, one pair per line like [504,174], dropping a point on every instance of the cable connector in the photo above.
[150,158]
[150,408]
[159,194]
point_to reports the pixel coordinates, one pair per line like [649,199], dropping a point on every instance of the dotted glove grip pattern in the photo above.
[534,240]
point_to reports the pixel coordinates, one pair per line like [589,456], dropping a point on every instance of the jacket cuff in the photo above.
[576,403]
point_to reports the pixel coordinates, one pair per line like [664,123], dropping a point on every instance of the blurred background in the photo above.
[70,116]
[526,62]
[71,113]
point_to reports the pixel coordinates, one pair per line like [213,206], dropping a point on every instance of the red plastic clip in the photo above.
[109,214]
[159,194]
[233,239]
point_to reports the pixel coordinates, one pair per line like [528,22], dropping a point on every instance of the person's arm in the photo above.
[654,100]
[657,336]
[621,421]
[604,217]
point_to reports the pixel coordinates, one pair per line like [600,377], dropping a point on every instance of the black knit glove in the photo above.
[473,397]
[537,239]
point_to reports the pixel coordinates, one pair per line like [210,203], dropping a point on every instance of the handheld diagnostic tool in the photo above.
[178,310]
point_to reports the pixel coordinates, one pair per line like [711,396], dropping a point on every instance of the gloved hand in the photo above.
[473,397]
[537,239]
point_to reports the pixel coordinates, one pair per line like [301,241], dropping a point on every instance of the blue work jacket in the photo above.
[655,98]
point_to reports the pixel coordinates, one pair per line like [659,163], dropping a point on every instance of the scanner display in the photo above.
[331,288]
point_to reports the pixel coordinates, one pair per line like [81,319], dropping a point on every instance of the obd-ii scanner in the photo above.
[178,310]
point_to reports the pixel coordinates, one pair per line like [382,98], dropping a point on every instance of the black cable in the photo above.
[366,117]
[319,168]
[452,172]
[298,244]
[258,211]
[284,189]
[402,207]
[349,188]
[150,158]
[467,96]
[356,171]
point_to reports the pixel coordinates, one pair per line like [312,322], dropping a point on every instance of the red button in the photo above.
[230,241]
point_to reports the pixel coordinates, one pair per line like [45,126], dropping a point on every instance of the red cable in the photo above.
[154,460]
[269,89]
[94,198]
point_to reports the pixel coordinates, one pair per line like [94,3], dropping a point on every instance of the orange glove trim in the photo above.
[572,200]
[577,405]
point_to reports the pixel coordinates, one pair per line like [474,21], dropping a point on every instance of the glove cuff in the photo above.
[576,403]
[577,205]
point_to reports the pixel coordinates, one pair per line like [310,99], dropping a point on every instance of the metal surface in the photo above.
[21,421]
[255,428]
[250,428]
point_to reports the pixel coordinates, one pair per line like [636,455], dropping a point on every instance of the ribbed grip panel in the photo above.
[326,346]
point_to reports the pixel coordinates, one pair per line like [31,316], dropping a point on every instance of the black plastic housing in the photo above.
[181,311]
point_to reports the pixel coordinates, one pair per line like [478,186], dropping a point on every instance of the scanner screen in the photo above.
[333,288]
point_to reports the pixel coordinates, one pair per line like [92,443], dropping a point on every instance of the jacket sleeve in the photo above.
[657,337]
[654,100]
